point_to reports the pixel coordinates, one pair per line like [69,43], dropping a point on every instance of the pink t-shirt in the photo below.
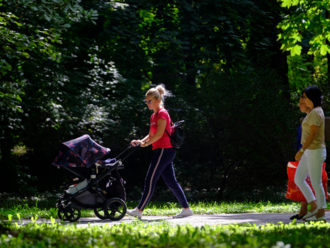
[164,141]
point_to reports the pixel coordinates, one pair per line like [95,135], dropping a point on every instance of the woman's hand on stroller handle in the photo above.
[136,142]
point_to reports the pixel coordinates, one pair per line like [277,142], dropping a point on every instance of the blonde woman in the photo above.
[163,154]
[312,155]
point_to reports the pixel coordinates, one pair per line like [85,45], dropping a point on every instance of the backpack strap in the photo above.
[168,133]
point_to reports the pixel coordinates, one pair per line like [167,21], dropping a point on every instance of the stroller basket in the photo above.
[79,186]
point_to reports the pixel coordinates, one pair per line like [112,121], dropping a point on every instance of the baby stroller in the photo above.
[101,187]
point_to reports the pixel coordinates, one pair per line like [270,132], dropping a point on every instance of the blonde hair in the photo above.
[159,92]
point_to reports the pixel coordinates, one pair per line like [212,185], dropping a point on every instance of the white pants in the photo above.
[311,163]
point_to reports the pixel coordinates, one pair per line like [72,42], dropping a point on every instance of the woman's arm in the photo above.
[146,138]
[314,129]
[135,142]
[161,124]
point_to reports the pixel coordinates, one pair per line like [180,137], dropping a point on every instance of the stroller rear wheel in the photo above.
[72,215]
[100,213]
[115,208]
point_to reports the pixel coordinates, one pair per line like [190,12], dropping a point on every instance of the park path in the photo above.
[195,220]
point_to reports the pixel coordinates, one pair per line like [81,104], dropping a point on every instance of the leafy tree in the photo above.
[306,32]
[238,130]
[185,39]
[32,50]
[15,49]
[208,53]
[306,17]
[20,37]
[82,92]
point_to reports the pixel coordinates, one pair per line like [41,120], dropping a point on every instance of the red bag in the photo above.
[294,192]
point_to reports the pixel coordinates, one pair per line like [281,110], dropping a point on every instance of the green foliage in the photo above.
[177,41]
[102,57]
[61,13]
[306,17]
[33,47]
[24,36]
[16,47]
[233,125]
[303,72]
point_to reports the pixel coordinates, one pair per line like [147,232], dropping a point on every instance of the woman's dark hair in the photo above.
[314,94]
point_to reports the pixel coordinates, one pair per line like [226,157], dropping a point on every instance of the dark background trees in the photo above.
[88,64]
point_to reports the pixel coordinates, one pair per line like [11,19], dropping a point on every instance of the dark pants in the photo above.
[162,164]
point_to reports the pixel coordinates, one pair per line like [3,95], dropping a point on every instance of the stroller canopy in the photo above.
[80,152]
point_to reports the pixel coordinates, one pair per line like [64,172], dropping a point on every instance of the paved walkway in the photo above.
[196,220]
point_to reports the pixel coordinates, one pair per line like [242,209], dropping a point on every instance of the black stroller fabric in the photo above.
[80,152]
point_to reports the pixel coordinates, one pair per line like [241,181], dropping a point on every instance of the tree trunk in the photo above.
[189,59]
[8,175]
[279,60]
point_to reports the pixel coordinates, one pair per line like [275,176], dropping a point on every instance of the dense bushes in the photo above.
[224,68]
[239,131]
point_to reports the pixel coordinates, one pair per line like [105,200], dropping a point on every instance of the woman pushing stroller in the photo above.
[163,154]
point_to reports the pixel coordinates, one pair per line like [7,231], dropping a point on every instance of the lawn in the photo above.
[164,234]
[27,209]
[160,234]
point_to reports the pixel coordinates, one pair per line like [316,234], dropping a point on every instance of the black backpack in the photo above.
[115,186]
[177,134]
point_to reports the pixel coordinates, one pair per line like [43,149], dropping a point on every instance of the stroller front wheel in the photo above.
[100,213]
[115,209]
[72,215]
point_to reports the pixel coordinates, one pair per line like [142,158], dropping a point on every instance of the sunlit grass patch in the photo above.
[27,211]
[165,234]
[221,207]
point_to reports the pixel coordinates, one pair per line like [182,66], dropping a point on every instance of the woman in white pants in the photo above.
[312,155]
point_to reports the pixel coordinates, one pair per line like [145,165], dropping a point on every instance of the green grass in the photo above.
[26,210]
[164,234]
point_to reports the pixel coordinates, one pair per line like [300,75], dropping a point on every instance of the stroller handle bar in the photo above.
[119,162]
[129,147]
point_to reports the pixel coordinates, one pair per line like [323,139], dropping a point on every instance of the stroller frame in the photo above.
[110,208]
